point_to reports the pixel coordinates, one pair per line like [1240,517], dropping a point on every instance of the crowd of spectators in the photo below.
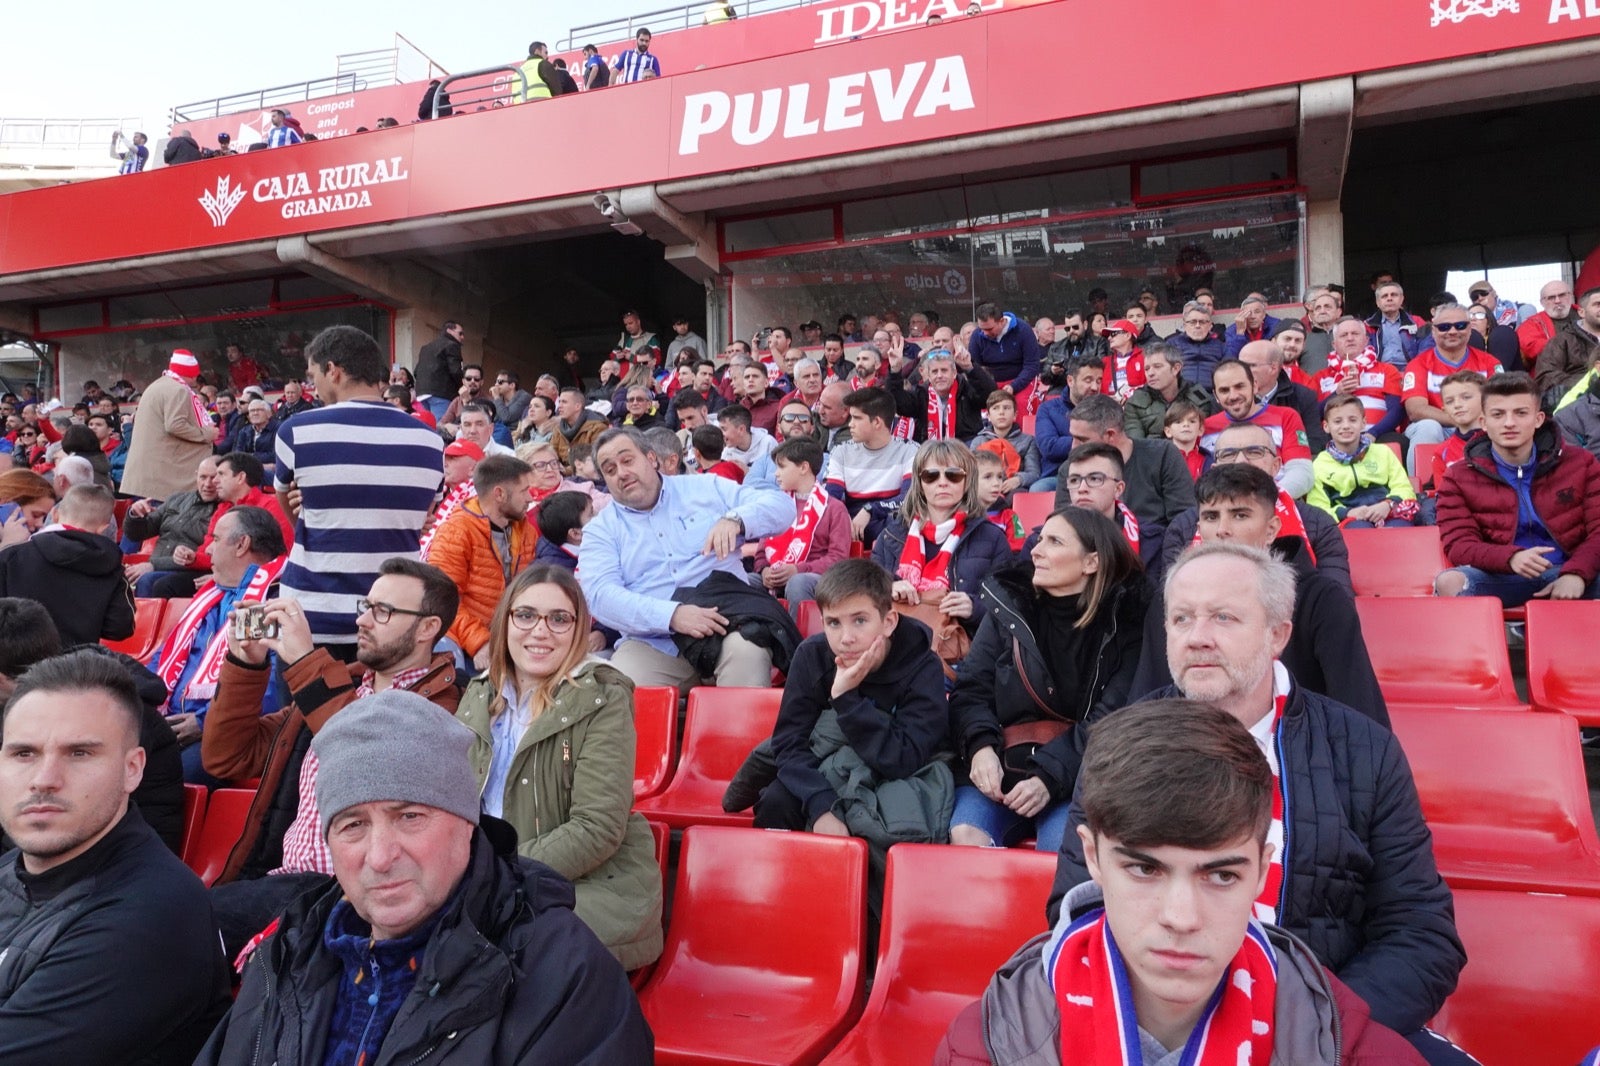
[413,598]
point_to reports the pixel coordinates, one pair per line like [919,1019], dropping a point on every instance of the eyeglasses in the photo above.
[558,622]
[796,418]
[1252,451]
[1197,322]
[502,381]
[1480,294]
[1094,480]
[1447,327]
[955,477]
[382,612]
[545,464]
[638,399]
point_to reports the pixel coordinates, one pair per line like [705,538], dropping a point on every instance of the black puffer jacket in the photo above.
[509,976]
[1363,890]
[1006,681]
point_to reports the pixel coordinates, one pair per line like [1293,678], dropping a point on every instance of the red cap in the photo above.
[1121,325]
[464,447]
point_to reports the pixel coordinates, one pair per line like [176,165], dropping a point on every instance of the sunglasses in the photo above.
[955,477]
[1447,327]
[796,418]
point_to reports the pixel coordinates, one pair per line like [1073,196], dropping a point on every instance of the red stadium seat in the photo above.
[1505,796]
[858,550]
[224,825]
[655,726]
[1562,673]
[147,621]
[763,959]
[810,618]
[1530,992]
[1438,652]
[1394,562]
[1399,452]
[194,818]
[951,916]
[720,729]
[1033,508]
[1424,464]
[662,836]
[169,621]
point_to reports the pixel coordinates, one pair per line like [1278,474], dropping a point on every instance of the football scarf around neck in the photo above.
[198,403]
[793,545]
[942,415]
[1271,898]
[1099,1025]
[1130,525]
[175,652]
[915,567]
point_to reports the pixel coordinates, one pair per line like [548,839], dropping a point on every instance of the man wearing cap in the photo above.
[438,941]
[224,147]
[171,434]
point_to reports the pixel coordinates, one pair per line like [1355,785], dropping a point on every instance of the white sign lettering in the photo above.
[1569,10]
[861,18]
[301,193]
[752,118]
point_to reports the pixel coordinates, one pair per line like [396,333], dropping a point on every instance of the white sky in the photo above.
[99,59]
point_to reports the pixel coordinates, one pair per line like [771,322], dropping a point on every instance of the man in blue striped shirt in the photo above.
[280,133]
[134,157]
[638,64]
[368,473]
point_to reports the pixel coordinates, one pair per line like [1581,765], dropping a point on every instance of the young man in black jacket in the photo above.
[111,954]
[77,574]
[1356,879]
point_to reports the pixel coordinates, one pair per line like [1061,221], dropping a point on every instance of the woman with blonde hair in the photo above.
[554,757]
[941,544]
[26,500]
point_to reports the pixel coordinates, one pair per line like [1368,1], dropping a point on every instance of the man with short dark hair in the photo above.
[111,953]
[437,935]
[410,606]
[743,441]
[871,472]
[367,474]
[483,545]
[1356,876]
[1166,943]
[1005,347]
[75,573]
[1392,331]
[1157,477]
[439,368]
[1052,427]
[1233,384]
[1166,382]
[240,478]
[576,422]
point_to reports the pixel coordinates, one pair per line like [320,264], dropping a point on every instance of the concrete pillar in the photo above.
[1324,242]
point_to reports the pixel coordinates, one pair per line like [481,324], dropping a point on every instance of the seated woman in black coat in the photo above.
[1056,650]
[940,545]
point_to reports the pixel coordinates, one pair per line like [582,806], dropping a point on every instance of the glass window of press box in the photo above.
[1037,245]
[132,336]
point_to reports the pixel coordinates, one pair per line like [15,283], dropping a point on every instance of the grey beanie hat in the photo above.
[394,746]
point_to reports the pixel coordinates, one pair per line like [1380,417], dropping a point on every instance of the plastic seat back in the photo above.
[169,621]
[1033,508]
[1394,562]
[1530,992]
[194,818]
[1424,454]
[224,825]
[810,618]
[1562,672]
[1438,652]
[1505,795]
[763,959]
[720,729]
[951,916]
[655,726]
[147,616]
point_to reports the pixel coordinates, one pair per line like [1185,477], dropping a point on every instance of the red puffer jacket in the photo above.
[1478,509]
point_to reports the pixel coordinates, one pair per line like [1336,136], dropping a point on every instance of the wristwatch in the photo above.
[733,516]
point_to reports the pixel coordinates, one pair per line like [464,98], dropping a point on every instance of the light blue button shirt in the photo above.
[763,473]
[630,562]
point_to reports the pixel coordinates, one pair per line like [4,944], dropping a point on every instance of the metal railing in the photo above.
[63,134]
[475,90]
[355,71]
[667,18]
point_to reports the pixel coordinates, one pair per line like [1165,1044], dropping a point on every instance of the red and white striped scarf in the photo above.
[1130,526]
[793,545]
[915,567]
[198,402]
[175,652]
[1272,891]
[942,417]
[1099,1023]
[450,505]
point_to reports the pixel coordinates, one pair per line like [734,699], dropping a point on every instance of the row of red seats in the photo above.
[152,620]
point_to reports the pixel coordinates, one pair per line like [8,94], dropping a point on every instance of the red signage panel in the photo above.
[325,116]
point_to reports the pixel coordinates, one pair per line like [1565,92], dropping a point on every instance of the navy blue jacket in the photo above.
[1199,358]
[983,550]
[1014,358]
[1360,884]
[1052,432]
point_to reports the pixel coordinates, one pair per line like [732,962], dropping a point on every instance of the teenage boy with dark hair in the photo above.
[1161,947]
[790,563]
[863,706]
[1520,515]
[1461,396]
[561,518]
[707,443]
[871,472]
[1004,436]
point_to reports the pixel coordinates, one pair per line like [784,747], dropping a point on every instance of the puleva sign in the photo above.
[302,193]
[885,95]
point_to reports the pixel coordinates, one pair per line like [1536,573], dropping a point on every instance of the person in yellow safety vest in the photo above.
[539,77]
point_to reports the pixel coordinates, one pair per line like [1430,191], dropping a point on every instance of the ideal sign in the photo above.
[862,17]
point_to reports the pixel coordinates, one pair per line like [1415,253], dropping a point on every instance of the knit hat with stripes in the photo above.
[184,364]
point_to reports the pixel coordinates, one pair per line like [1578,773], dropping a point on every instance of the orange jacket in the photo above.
[463,548]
